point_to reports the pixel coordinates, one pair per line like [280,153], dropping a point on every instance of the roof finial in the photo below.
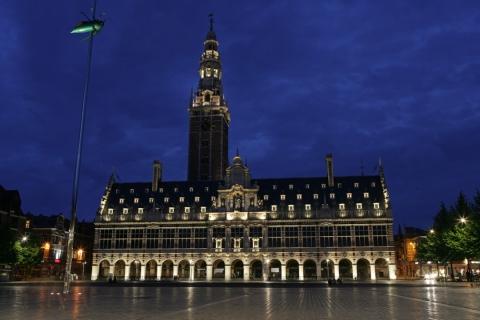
[238,153]
[211,21]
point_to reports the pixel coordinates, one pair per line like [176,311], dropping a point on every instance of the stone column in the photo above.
[284,271]
[192,272]
[354,271]
[95,270]
[209,272]
[159,272]
[300,272]
[175,270]
[246,272]
[228,272]
[111,271]
[266,270]
[127,272]
[373,276]
[392,271]
[142,272]
[319,270]
[336,271]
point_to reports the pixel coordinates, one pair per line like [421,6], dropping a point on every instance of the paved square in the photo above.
[347,302]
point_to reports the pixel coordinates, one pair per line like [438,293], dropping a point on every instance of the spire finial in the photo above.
[210,16]
[238,153]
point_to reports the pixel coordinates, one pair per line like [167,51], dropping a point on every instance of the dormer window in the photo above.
[291,207]
[147,190]
[117,191]
[151,200]
[332,195]
[197,199]
[132,191]
[274,208]
[290,186]
[171,210]
[376,205]
[206,189]
[341,206]
[175,189]
[349,195]
[308,207]
[366,195]
[274,187]
[359,206]
[373,184]
[315,196]
[339,185]
[299,197]
[282,197]
[265,197]
[125,210]
[160,190]
[166,199]
[190,189]
[307,186]
[181,199]
[121,201]
[203,209]
[356,185]
[187,209]
[324,186]
[213,198]
[140,210]
[110,211]
[135,200]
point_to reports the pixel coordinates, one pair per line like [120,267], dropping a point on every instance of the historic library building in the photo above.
[222,224]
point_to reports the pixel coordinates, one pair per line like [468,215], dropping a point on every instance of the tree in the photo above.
[28,254]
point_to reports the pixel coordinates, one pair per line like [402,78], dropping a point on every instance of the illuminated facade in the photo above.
[222,224]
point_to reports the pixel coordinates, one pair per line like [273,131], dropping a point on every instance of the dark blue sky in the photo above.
[392,79]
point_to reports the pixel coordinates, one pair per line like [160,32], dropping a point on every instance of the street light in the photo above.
[432,231]
[24,238]
[463,220]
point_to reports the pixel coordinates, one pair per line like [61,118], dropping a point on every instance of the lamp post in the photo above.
[92,27]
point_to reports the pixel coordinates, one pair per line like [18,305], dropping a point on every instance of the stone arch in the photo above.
[167,269]
[345,269]
[275,270]
[381,268]
[310,270]
[103,270]
[135,270]
[363,269]
[184,270]
[218,271]
[256,270]
[237,269]
[327,270]
[119,270]
[200,270]
[151,270]
[292,268]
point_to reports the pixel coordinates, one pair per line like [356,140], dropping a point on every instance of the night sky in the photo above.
[392,79]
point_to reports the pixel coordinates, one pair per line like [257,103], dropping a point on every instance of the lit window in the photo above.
[215,73]
[291,207]
[197,199]
[171,210]
[299,197]
[366,195]
[187,209]
[213,198]
[324,186]
[308,207]
[341,206]
[315,196]
[290,186]
[208,72]
[282,197]
[265,197]
[166,199]
[140,210]
[150,200]
[255,242]
[190,189]
[332,195]
[135,200]
[274,208]
[121,200]
[218,243]
[132,191]
[349,195]
[307,186]
[355,185]
[125,210]
[182,199]
[203,209]
[110,211]
[358,206]
[376,205]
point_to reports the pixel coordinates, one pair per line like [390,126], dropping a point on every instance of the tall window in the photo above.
[184,236]
[152,238]
[136,241]
[168,238]
[291,237]
[344,238]
[308,234]
[380,236]
[106,238]
[200,238]
[218,232]
[361,236]
[326,236]
[121,238]
[255,234]
[274,237]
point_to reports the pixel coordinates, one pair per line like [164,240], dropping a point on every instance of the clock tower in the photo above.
[209,118]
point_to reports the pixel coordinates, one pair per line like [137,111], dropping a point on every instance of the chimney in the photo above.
[157,175]
[329,162]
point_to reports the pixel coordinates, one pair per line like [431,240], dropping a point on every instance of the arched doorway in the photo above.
[200,270]
[237,269]
[119,270]
[275,270]
[256,270]
[151,270]
[309,270]
[327,271]
[104,270]
[345,269]
[135,268]
[167,269]
[219,269]
[381,268]
[363,269]
[292,270]
[184,270]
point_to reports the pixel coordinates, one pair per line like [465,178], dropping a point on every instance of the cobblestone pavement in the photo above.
[109,303]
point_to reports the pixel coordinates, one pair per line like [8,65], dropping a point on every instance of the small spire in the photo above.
[210,16]
[238,153]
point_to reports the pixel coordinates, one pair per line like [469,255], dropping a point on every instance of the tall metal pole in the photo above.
[74,201]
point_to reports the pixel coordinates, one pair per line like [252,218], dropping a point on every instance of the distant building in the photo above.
[222,224]
[11,215]
[406,245]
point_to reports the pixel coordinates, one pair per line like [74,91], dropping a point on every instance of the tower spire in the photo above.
[210,16]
